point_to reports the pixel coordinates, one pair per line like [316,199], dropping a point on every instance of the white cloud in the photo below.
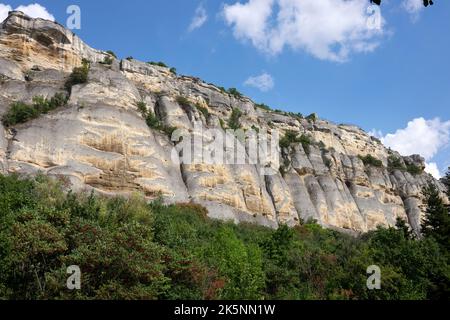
[433,169]
[199,18]
[4,9]
[424,137]
[327,29]
[34,10]
[263,82]
[413,7]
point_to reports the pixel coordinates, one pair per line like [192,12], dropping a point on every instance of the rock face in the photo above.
[100,141]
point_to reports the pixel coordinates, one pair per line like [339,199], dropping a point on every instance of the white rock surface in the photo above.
[100,141]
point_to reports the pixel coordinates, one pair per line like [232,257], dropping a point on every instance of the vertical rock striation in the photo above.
[100,141]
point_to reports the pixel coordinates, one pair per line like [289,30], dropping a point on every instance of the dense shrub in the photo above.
[142,107]
[234,122]
[413,169]
[292,137]
[152,120]
[20,112]
[312,117]
[79,75]
[370,160]
[159,64]
[234,92]
[395,163]
[128,249]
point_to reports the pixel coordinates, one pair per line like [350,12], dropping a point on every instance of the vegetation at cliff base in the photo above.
[129,249]
[20,112]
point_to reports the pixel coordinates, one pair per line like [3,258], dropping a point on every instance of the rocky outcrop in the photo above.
[100,141]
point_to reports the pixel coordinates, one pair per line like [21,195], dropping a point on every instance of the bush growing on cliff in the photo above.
[234,92]
[370,160]
[20,112]
[395,163]
[312,117]
[203,110]
[413,169]
[234,121]
[112,54]
[159,64]
[183,101]
[152,120]
[79,75]
[291,137]
[107,61]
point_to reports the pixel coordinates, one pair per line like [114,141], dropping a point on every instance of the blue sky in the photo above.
[386,80]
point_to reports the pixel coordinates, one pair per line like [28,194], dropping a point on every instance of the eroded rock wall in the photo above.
[101,141]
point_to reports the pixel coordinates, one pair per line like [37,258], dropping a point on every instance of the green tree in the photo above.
[446,181]
[240,264]
[437,220]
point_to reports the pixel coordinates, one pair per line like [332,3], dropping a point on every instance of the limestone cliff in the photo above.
[100,141]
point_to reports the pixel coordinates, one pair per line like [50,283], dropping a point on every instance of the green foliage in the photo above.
[203,110]
[222,123]
[107,60]
[173,70]
[234,92]
[292,137]
[255,128]
[446,181]
[142,107]
[183,101]
[20,112]
[79,75]
[312,117]
[234,121]
[239,263]
[111,53]
[395,163]
[129,249]
[263,106]
[370,160]
[152,120]
[437,218]
[413,169]
[130,58]
[159,64]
